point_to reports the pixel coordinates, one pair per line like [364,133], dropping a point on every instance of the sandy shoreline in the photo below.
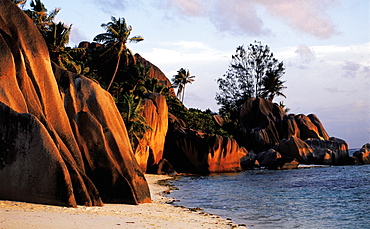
[154,215]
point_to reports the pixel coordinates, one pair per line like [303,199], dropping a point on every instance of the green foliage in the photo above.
[130,109]
[203,120]
[176,107]
[253,72]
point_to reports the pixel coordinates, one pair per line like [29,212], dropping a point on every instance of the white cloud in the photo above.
[309,16]
[366,71]
[306,55]
[110,6]
[244,16]
[237,17]
[350,69]
[76,36]
[183,52]
[187,7]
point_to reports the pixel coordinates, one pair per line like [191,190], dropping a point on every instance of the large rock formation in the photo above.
[363,155]
[262,125]
[266,126]
[192,151]
[62,140]
[333,151]
[150,148]
[296,148]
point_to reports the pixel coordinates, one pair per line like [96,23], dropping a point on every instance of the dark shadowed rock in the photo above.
[307,128]
[249,161]
[363,155]
[270,159]
[296,148]
[191,151]
[332,152]
[261,123]
[63,140]
[265,126]
[162,168]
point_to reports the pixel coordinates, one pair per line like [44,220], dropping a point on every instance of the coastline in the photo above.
[157,214]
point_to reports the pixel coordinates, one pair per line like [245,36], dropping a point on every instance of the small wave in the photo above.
[303,166]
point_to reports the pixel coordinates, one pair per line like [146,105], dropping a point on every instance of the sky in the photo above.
[324,44]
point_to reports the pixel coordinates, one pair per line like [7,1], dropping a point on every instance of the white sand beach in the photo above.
[157,214]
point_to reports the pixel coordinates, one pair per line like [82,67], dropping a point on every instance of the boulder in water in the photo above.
[363,155]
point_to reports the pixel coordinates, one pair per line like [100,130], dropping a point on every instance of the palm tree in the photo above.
[56,38]
[40,16]
[180,80]
[116,36]
[20,3]
[134,122]
[272,85]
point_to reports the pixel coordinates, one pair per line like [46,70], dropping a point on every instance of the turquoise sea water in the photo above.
[331,197]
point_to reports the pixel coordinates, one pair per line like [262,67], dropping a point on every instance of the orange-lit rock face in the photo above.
[63,140]
[307,128]
[150,149]
[224,155]
[296,148]
[320,128]
[191,151]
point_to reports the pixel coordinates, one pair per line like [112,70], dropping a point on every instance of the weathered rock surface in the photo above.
[265,126]
[363,155]
[296,148]
[332,152]
[261,123]
[307,128]
[191,151]
[320,128]
[150,149]
[62,140]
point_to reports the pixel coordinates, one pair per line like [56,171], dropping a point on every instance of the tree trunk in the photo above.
[115,73]
[183,94]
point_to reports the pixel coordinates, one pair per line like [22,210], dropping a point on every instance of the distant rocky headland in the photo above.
[64,142]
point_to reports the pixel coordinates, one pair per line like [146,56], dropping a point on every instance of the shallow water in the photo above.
[331,197]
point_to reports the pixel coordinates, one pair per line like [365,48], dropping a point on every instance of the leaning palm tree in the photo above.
[180,80]
[116,36]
